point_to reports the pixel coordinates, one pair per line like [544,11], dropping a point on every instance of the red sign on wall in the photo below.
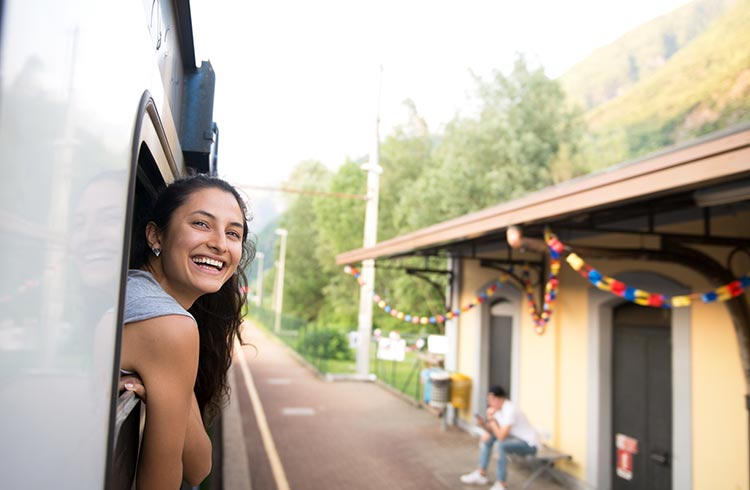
[624,464]
[626,448]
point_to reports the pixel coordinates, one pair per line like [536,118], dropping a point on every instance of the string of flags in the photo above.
[425,320]
[656,300]
[541,316]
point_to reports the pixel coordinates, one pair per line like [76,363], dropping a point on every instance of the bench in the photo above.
[543,462]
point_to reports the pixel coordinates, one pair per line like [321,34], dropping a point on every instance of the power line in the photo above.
[339,195]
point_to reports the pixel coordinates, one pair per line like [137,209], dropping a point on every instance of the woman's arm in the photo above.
[196,455]
[164,352]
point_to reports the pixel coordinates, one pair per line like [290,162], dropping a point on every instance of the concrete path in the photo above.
[301,432]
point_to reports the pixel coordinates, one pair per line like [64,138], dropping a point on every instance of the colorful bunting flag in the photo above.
[541,316]
[424,320]
[645,298]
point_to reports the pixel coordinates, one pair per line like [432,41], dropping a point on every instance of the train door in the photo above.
[153,166]
[642,398]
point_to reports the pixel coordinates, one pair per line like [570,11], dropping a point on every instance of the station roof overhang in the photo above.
[682,179]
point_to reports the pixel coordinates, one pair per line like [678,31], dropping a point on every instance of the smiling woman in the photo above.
[201,245]
[186,272]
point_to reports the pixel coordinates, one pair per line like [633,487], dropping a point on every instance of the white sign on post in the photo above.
[353,339]
[392,349]
[437,344]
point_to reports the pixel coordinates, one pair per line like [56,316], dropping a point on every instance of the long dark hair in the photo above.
[218,314]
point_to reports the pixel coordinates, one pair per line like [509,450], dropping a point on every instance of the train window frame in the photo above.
[152,166]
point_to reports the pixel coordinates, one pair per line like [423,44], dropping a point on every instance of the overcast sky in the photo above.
[297,80]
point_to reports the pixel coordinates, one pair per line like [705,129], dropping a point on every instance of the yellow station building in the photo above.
[674,380]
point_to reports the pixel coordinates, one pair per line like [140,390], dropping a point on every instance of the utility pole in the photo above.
[259,281]
[279,292]
[373,169]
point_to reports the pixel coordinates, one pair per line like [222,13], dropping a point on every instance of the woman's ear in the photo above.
[153,236]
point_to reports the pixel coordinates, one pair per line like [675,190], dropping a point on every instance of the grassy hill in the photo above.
[610,70]
[689,75]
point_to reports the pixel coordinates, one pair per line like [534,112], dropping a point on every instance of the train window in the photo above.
[153,168]
[147,184]
[130,413]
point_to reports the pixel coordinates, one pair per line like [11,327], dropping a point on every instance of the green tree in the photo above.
[522,137]
[405,155]
[505,150]
[341,227]
[304,280]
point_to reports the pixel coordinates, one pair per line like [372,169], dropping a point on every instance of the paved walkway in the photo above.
[335,435]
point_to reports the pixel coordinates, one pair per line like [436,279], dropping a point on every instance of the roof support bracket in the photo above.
[507,266]
[421,274]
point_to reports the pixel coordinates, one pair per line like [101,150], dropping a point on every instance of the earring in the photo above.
[156,250]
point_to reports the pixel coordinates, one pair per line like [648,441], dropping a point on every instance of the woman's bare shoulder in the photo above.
[163,337]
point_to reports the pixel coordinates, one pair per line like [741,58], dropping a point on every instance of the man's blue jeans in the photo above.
[510,445]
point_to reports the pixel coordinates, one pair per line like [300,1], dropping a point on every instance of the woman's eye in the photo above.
[234,234]
[201,224]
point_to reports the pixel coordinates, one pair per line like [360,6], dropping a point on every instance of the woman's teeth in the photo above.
[213,263]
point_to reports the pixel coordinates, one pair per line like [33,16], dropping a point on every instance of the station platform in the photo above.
[287,427]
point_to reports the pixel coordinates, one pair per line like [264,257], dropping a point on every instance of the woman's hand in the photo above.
[131,382]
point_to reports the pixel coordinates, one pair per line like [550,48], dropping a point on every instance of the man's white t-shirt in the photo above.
[519,424]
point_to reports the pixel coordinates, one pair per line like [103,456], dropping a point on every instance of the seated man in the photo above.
[507,424]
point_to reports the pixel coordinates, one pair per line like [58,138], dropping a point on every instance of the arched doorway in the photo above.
[498,339]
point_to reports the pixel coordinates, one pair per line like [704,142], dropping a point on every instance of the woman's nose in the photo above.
[218,241]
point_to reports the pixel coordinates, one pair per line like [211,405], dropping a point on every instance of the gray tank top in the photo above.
[145,299]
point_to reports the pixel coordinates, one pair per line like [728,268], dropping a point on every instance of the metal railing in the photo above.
[129,422]
[403,376]
[130,419]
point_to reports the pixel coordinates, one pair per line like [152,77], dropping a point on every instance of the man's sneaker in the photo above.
[474,478]
[498,486]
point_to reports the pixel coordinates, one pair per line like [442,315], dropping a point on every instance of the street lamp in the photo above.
[279,292]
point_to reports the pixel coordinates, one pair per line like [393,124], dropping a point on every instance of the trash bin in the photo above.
[460,390]
[424,376]
[441,382]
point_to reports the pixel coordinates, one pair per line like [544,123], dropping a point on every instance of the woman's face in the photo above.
[201,246]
